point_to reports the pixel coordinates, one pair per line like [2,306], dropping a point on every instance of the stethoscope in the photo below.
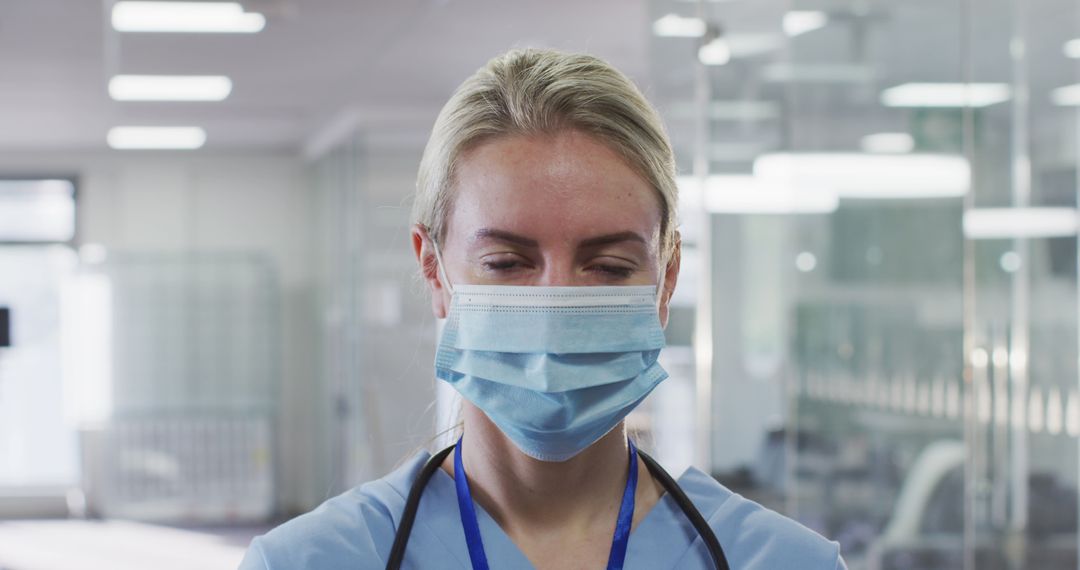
[401,538]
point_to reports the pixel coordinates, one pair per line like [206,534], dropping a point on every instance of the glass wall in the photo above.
[1022,466]
[883,199]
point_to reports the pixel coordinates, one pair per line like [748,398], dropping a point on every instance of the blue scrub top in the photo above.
[356,530]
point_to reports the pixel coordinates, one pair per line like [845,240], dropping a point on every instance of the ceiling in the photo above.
[869,46]
[322,68]
[319,66]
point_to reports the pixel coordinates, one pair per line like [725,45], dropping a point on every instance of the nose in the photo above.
[558,271]
[554,277]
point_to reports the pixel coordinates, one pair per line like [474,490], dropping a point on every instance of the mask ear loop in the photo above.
[442,268]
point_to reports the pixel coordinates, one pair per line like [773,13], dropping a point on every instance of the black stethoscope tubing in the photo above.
[412,503]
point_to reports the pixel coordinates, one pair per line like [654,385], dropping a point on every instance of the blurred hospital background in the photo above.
[210,319]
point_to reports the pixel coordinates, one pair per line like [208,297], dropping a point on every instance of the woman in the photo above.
[545,230]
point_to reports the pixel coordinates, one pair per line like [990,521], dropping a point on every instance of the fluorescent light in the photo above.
[799,22]
[181,138]
[869,176]
[169,87]
[1068,96]
[888,143]
[676,26]
[715,52]
[1072,49]
[1011,223]
[946,95]
[195,17]
[744,194]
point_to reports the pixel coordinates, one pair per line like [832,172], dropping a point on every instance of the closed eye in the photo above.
[504,263]
[612,271]
[501,265]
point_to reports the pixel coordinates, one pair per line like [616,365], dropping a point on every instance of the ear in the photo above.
[671,278]
[424,248]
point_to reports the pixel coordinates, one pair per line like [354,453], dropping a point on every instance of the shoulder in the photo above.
[753,536]
[356,527]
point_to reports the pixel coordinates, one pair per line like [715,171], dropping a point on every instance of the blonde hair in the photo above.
[535,91]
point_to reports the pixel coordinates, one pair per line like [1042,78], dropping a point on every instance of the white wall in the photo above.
[172,202]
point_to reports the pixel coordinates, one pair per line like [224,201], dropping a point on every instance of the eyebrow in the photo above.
[609,239]
[504,236]
[510,237]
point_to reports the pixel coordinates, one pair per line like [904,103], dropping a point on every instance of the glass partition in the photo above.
[883,198]
[1021,224]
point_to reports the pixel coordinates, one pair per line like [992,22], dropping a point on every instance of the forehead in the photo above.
[567,185]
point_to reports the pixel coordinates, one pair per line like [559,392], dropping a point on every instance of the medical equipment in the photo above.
[401,538]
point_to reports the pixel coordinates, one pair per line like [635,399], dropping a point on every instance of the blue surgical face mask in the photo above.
[555,368]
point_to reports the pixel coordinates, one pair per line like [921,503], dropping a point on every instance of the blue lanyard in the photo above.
[472,527]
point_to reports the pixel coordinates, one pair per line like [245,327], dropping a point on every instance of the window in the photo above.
[37,210]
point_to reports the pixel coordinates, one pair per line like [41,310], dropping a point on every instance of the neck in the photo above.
[520,492]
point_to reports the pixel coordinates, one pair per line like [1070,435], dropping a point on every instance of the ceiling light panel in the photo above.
[1013,223]
[156,138]
[1072,49]
[799,22]
[869,176]
[716,52]
[676,26]
[1068,96]
[946,95]
[185,17]
[745,194]
[170,87]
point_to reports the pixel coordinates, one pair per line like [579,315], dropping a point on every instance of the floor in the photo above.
[119,545]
